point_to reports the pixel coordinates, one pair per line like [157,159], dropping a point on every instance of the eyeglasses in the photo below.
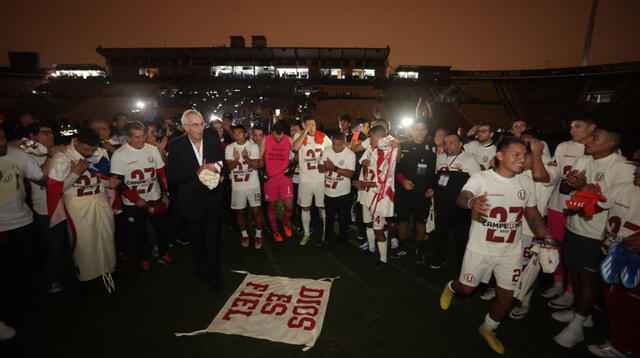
[195,125]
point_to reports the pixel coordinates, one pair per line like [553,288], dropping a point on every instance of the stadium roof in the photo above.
[249,53]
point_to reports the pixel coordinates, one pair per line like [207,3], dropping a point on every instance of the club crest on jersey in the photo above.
[599,176]
[522,194]
[469,277]
[341,162]
[150,159]
[485,158]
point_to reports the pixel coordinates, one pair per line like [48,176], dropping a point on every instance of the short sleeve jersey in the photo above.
[607,172]
[139,168]
[243,177]
[499,232]
[337,185]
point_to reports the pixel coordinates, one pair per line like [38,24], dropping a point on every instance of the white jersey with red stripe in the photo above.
[381,170]
[499,232]
[243,177]
[309,156]
[565,156]
[623,202]
[139,169]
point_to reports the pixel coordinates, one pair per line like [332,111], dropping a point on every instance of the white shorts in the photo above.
[527,242]
[307,191]
[478,268]
[378,222]
[239,198]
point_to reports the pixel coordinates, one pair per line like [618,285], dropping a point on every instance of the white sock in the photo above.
[244,233]
[450,286]
[577,321]
[371,239]
[258,233]
[489,324]
[382,248]
[306,221]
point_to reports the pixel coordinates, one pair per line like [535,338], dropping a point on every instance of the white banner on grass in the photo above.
[280,309]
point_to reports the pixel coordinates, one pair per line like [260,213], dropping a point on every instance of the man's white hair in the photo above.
[187,113]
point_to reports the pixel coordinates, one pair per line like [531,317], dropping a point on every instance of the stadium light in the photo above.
[213,118]
[140,104]
[406,122]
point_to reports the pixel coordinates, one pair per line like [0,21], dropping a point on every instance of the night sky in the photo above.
[465,34]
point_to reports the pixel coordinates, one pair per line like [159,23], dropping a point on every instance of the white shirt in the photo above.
[464,162]
[608,171]
[309,156]
[499,233]
[15,166]
[138,167]
[565,155]
[244,177]
[197,151]
[543,191]
[623,202]
[482,153]
[336,185]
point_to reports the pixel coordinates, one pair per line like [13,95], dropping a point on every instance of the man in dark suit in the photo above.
[200,206]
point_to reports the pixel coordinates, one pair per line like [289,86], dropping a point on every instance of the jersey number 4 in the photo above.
[500,213]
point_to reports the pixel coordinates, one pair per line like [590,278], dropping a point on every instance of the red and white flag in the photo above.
[280,309]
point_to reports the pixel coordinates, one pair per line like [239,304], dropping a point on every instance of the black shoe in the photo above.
[380,265]
[323,244]
[419,259]
[397,253]
[437,266]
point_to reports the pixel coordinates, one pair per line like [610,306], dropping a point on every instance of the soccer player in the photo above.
[141,179]
[499,198]
[310,145]
[565,156]
[453,167]
[622,305]
[274,156]
[416,173]
[376,189]
[338,164]
[77,190]
[482,148]
[581,247]
[243,159]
